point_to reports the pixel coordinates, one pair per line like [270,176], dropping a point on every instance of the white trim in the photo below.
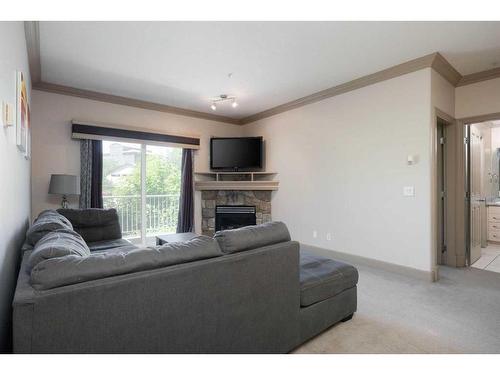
[143,194]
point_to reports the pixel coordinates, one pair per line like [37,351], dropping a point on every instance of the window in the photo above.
[143,183]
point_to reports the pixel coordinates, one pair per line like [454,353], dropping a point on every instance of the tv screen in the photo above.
[236,153]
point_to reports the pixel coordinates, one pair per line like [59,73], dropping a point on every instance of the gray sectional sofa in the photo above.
[84,289]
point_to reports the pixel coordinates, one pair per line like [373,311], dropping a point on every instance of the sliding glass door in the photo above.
[162,187]
[143,183]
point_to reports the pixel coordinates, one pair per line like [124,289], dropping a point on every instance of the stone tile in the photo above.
[483,261]
[207,212]
[211,223]
[491,250]
[208,194]
[266,218]
[221,200]
[235,199]
[210,203]
[262,195]
[209,233]
[494,265]
[251,201]
[265,207]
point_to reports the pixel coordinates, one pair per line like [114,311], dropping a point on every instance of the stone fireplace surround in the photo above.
[261,199]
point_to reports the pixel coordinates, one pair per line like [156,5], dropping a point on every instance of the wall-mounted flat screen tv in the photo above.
[236,153]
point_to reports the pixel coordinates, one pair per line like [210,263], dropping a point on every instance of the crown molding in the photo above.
[443,67]
[121,100]
[435,61]
[480,118]
[32,36]
[383,75]
[485,75]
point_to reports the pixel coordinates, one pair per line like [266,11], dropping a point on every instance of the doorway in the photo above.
[482,149]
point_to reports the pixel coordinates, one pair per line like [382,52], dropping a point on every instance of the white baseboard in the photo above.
[386,266]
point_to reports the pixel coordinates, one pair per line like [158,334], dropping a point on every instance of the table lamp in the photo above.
[64,184]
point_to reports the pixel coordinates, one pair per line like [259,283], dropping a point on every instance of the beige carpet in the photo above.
[399,314]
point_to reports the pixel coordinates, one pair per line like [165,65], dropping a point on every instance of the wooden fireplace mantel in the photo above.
[235,181]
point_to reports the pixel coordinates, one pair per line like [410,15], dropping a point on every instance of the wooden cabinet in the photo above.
[494,223]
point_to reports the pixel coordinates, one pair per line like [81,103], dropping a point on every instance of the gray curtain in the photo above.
[85,173]
[90,173]
[185,221]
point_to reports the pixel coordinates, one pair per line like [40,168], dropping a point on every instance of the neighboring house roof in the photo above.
[122,170]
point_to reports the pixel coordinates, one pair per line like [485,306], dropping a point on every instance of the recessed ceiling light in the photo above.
[234,104]
[214,107]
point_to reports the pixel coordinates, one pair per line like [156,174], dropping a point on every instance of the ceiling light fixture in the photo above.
[223,98]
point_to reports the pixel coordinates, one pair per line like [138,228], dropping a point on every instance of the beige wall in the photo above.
[342,165]
[14,175]
[480,98]
[443,94]
[55,152]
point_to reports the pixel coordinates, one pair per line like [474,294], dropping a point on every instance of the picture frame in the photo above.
[23,136]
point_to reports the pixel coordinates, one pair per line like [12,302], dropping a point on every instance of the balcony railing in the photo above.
[161,213]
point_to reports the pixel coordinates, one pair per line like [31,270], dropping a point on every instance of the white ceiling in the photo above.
[185,64]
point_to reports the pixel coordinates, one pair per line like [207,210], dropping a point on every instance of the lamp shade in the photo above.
[64,184]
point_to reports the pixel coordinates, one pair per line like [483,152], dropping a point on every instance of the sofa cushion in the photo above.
[252,237]
[94,224]
[58,243]
[117,245]
[46,222]
[72,269]
[322,278]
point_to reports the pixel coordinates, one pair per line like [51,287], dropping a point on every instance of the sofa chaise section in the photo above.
[328,293]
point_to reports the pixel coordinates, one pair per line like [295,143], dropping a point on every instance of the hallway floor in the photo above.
[490,259]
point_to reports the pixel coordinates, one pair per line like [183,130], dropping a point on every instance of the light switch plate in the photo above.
[7,114]
[409,191]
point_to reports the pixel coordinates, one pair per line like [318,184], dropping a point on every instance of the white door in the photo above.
[475,194]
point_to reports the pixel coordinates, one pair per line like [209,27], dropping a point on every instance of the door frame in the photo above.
[454,217]
[460,255]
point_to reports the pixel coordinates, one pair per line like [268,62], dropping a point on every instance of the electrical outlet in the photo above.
[328,237]
[315,234]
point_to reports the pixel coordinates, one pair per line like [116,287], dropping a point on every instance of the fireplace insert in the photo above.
[232,217]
